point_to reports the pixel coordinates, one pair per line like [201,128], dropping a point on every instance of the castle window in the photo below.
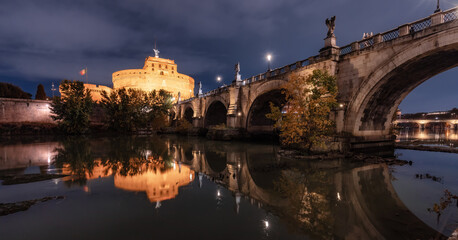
[165,66]
[173,68]
[162,73]
[160,66]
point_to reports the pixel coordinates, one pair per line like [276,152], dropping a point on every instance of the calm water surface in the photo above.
[172,187]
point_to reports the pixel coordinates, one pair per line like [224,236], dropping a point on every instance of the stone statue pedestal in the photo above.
[330,42]
[330,50]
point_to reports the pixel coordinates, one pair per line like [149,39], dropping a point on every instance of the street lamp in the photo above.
[219,79]
[269,58]
[438,9]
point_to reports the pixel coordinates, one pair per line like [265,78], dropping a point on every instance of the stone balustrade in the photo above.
[403,30]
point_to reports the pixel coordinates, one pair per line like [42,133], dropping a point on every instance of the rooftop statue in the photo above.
[330,23]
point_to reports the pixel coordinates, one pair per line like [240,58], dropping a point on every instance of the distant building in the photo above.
[157,73]
[96,90]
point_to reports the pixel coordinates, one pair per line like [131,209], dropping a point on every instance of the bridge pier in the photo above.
[198,122]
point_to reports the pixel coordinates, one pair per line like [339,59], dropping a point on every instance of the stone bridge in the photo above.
[451,123]
[373,75]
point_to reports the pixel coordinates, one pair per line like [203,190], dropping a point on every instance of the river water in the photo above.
[169,187]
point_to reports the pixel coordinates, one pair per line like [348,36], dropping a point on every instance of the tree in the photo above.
[40,95]
[73,108]
[310,100]
[131,109]
[8,90]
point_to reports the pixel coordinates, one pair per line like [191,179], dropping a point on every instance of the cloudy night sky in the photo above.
[45,41]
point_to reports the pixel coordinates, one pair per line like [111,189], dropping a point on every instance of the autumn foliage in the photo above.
[305,119]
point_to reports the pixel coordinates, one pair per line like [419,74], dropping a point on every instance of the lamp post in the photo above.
[218,79]
[438,9]
[269,58]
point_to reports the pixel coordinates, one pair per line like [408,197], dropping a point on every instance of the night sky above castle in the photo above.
[49,40]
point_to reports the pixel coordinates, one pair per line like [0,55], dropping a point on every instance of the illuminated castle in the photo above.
[157,73]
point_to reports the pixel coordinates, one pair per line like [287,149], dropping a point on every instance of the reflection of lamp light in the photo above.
[266,223]
[218,193]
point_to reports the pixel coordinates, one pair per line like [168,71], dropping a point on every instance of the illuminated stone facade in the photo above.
[157,73]
[96,91]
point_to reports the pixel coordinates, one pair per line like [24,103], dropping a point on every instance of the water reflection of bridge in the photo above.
[325,199]
[349,202]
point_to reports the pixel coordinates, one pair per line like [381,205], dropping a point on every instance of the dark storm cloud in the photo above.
[54,39]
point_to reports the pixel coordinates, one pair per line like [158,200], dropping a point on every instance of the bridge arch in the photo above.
[256,119]
[188,114]
[215,114]
[370,110]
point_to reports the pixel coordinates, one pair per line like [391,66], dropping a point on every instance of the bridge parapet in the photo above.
[403,30]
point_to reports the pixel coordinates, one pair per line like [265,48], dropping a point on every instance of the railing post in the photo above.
[268,73]
[355,46]
[404,30]
[437,18]
[378,38]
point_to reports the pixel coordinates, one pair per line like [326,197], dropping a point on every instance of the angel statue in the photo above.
[330,23]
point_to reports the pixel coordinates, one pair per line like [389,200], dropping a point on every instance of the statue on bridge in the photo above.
[238,77]
[330,23]
[200,89]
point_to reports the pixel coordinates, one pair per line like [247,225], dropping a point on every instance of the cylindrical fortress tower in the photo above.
[157,73]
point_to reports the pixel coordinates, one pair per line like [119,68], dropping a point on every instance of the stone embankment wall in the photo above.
[14,111]
[25,110]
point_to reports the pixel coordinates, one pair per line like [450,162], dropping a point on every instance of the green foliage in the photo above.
[310,100]
[131,109]
[125,156]
[8,90]
[41,94]
[308,195]
[75,154]
[183,126]
[73,108]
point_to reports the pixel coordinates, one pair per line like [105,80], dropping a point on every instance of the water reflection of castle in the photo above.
[159,185]
[320,197]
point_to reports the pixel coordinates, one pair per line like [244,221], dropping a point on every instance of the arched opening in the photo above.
[188,114]
[172,118]
[257,120]
[216,114]
[376,111]
[216,160]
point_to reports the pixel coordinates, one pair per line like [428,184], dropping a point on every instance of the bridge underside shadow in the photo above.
[216,114]
[257,122]
[399,83]
[188,114]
